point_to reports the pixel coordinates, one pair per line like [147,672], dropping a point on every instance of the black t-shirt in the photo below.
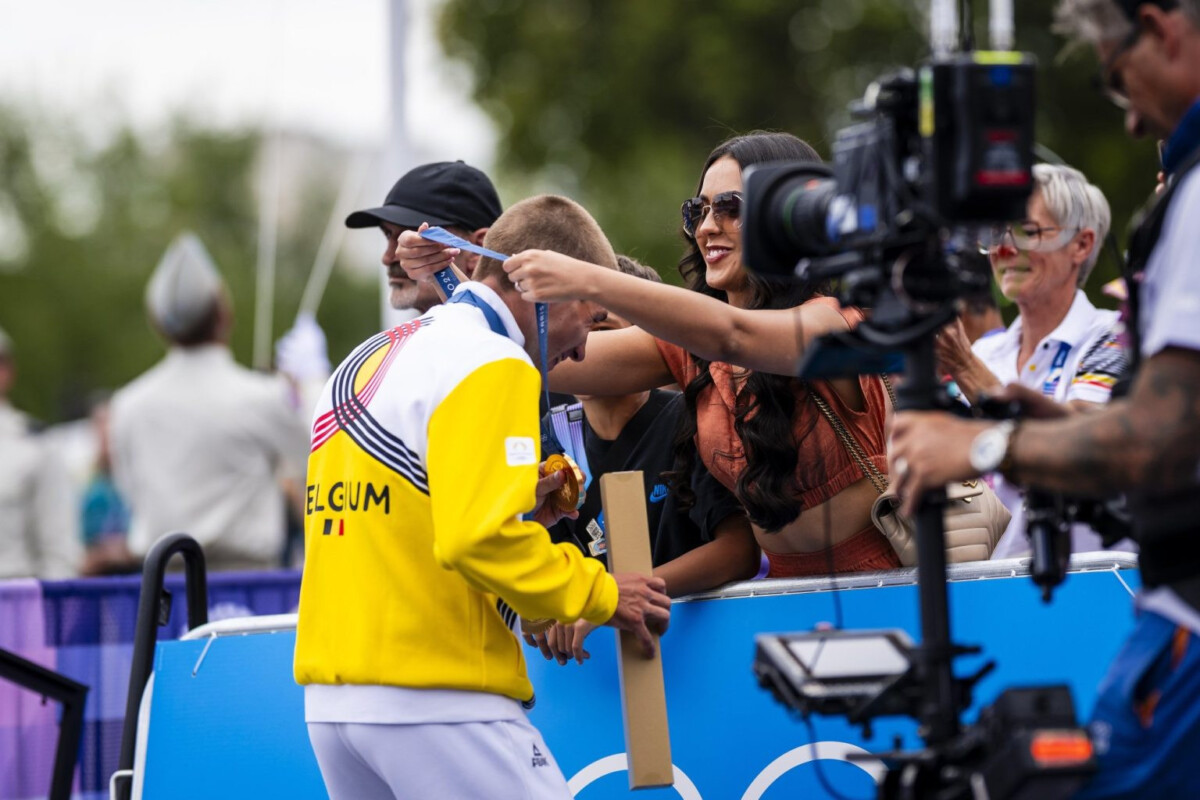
[647,444]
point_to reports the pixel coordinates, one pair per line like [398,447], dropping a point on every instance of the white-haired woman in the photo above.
[1060,345]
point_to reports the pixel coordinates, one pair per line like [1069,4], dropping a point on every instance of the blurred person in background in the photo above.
[105,516]
[199,443]
[1060,345]
[38,533]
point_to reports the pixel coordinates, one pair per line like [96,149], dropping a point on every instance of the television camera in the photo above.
[938,162]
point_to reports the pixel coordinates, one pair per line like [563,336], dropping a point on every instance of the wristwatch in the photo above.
[990,449]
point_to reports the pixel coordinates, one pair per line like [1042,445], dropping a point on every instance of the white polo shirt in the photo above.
[39,527]
[1053,370]
[1053,367]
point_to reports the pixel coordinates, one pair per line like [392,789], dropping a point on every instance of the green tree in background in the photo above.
[618,103]
[82,227]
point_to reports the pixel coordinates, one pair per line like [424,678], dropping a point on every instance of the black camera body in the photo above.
[939,153]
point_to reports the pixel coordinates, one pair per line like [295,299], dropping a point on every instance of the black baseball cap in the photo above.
[445,193]
[1130,7]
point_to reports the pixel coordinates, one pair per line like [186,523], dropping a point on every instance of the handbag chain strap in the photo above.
[891,392]
[872,473]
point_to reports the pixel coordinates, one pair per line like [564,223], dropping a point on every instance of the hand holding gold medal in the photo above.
[571,495]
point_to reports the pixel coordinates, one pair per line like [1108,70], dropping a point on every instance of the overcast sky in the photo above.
[315,65]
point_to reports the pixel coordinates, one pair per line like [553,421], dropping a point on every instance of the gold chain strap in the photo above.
[887,384]
[877,478]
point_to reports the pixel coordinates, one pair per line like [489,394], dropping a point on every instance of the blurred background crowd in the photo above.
[613,104]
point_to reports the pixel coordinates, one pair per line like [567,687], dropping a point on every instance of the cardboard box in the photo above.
[643,697]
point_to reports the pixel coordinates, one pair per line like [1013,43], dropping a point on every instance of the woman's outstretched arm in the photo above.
[765,340]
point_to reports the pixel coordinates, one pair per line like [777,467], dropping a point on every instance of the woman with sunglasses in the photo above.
[1060,345]
[758,432]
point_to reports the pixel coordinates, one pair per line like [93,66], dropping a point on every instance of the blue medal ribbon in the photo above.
[493,319]
[449,282]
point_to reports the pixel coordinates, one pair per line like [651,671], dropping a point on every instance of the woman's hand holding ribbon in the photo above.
[543,276]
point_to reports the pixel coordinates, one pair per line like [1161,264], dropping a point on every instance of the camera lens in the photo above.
[787,214]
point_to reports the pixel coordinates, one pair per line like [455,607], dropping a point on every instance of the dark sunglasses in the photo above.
[726,205]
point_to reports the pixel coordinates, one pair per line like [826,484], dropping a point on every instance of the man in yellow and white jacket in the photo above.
[419,562]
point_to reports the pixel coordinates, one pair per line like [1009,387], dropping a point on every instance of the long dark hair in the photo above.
[766,404]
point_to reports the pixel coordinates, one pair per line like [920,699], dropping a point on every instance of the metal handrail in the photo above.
[154,611]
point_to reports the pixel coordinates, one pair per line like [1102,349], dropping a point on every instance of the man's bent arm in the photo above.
[481,478]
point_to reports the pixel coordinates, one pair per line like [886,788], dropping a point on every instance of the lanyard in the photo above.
[449,282]
[1050,385]
[493,319]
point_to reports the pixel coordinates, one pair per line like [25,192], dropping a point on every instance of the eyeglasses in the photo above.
[1110,81]
[1026,236]
[725,206]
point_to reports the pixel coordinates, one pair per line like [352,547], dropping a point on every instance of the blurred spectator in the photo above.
[38,536]
[105,517]
[1060,344]
[199,443]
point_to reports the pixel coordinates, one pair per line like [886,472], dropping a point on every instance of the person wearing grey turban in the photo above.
[199,443]
[186,297]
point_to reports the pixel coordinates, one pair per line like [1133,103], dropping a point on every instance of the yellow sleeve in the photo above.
[484,448]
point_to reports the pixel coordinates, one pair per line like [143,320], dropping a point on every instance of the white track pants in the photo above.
[504,760]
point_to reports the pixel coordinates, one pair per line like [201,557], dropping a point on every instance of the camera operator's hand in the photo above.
[642,607]
[930,449]
[1034,404]
[955,357]
[420,258]
[543,276]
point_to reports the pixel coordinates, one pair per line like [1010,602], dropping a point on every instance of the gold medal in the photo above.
[570,496]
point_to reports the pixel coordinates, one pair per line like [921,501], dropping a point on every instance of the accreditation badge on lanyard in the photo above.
[1050,385]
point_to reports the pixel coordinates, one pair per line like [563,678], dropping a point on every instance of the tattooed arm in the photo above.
[1153,436]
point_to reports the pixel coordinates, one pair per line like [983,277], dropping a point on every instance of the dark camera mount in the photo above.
[894,227]
[1026,745]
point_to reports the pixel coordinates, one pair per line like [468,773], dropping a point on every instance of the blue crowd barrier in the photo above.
[222,716]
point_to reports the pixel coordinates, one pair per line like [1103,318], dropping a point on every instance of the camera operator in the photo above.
[1146,724]
[1041,263]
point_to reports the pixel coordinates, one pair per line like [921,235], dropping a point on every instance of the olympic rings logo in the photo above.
[837,751]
